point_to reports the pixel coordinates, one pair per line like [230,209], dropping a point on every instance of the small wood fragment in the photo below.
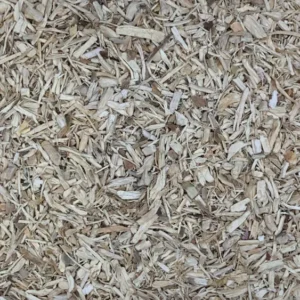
[254,27]
[151,34]
[238,222]
[52,152]
[79,52]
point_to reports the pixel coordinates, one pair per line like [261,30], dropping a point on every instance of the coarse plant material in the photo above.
[149,149]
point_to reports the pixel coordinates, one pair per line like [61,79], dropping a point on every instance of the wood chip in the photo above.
[151,34]
[254,27]
[85,47]
[199,101]
[52,152]
[236,27]
[272,265]
[33,14]
[240,206]
[238,222]
[235,148]
[126,195]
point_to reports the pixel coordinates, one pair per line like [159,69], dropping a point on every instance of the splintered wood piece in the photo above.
[272,265]
[238,222]
[129,195]
[240,206]
[52,152]
[92,40]
[236,27]
[254,27]
[33,14]
[151,34]
[235,148]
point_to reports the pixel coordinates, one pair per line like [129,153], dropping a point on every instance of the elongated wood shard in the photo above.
[52,152]
[238,222]
[151,34]
[254,27]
